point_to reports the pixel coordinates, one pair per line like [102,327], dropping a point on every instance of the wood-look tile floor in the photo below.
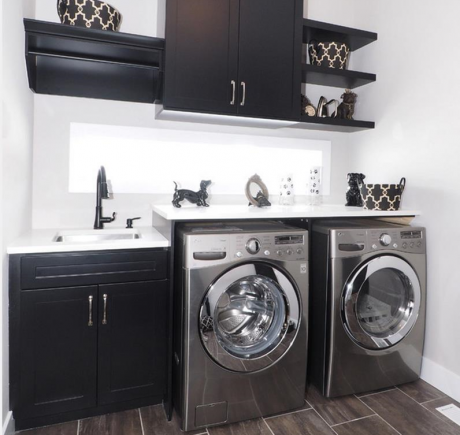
[408,409]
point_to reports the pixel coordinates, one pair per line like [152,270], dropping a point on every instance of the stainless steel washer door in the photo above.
[249,317]
[381,302]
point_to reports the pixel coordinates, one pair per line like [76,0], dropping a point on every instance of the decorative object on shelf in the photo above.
[261,199]
[329,54]
[383,197]
[307,108]
[353,195]
[323,108]
[198,198]
[92,14]
[347,107]
[315,186]
[287,190]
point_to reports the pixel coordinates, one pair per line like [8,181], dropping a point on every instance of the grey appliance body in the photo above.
[241,301]
[367,306]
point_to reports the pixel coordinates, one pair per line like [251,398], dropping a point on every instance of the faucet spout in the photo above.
[102,192]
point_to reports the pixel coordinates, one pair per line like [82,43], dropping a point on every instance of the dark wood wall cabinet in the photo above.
[235,57]
[88,333]
[71,61]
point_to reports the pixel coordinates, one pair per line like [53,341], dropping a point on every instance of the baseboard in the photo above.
[441,378]
[8,424]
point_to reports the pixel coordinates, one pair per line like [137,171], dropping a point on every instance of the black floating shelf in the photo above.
[79,62]
[330,32]
[334,124]
[338,78]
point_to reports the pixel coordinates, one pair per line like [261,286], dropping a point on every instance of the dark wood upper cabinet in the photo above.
[239,57]
[132,340]
[202,57]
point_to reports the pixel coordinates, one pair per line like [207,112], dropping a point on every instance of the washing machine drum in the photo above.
[250,317]
[381,302]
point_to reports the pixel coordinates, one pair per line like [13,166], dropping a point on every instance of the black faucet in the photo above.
[102,193]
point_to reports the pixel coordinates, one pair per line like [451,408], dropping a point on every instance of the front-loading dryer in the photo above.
[241,328]
[367,306]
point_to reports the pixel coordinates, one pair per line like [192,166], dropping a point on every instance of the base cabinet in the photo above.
[81,350]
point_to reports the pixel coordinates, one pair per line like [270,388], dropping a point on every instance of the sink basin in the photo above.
[91,236]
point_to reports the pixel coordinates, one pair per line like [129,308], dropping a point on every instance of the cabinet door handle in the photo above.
[104,318]
[90,318]
[232,103]
[243,100]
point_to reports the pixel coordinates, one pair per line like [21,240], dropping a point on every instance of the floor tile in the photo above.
[339,409]
[155,422]
[433,404]
[381,390]
[121,423]
[373,425]
[250,427]
[299,423]
[421,391]
[407,416]
[57,429]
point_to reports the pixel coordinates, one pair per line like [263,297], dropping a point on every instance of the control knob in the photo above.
[253,246]
[385,239]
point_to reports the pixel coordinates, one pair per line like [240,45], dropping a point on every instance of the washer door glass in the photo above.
[247,319]
[382,302]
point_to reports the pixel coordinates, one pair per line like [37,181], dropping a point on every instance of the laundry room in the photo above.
[229,217]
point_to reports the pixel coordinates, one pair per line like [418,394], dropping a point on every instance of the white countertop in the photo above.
[192,212]
[42,241]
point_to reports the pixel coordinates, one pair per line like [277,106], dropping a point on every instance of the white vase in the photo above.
[315,186]
[287,190]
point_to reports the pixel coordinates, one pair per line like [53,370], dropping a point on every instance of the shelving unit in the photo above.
[312,74]
[79,62]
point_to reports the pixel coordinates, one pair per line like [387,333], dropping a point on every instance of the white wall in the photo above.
[415,103]
[17,136]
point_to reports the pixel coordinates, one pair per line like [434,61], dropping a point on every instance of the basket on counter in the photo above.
[383,197]
[91,14]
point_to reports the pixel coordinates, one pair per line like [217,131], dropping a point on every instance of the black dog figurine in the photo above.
[198,198]
[262,200]
[346,109]
[354,198]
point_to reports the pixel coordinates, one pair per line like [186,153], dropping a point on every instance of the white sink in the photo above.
[89,236]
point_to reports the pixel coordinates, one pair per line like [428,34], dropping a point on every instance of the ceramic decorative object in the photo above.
[315,186]
[199,198]
[91,14]
[329,54]
[287,190]
[261,199]
[353,195]
[384,197]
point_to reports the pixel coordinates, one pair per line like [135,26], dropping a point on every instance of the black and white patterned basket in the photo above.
[329,54]
[384,197]
[92,14]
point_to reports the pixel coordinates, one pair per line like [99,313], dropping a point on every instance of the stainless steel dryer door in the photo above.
[250,317]
[381,302]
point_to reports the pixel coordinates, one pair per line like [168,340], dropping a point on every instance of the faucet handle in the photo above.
[129,222]
[114,216]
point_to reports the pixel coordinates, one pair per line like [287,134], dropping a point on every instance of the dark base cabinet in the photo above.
[80,350]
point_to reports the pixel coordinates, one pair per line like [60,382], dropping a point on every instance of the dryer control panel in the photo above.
[351,242]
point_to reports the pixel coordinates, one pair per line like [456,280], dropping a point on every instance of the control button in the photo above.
[253,246]
[239,254]
[412,244]
[404,245]
[374,246]
[385,239]
[279,253]
[289,252]
[395,245]
[299,251]
[267,252]
[419,244]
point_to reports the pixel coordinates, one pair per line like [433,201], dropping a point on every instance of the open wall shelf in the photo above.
[337,78]
[333,124]
[72,61]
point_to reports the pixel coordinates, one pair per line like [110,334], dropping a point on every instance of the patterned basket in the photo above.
[329,54]
[92,14]
[384,197]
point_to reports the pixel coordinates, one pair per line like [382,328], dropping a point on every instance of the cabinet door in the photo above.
[58,348]
[201,55]
[269,59]
[132,340]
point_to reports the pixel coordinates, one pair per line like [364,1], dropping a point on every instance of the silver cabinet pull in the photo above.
[90,320]
[234,92]
[104,318]
[243,100]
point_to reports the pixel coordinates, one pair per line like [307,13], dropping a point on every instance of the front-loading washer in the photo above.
[241,299]
[367,305]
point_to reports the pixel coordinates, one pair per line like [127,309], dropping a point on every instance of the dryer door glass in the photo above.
[382,302]
[248,321]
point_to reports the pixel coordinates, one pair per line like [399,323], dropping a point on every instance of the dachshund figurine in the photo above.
[198,198]
[354,198]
